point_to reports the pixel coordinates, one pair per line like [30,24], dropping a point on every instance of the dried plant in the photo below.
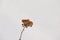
[26,23]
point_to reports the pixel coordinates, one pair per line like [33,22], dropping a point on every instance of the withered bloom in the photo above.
[26,23]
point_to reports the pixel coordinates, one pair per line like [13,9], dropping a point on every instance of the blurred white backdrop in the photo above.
[44,13]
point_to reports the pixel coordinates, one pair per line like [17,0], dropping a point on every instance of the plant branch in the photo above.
[21,33]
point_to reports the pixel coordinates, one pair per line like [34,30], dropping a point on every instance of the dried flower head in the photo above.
[27,23]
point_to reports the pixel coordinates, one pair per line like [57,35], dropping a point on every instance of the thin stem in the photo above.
[21,33]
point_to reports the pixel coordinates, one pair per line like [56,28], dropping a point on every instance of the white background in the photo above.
[45,15]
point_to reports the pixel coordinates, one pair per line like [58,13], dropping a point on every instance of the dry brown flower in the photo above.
[26,23]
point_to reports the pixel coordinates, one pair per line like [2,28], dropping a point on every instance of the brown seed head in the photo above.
[27,23]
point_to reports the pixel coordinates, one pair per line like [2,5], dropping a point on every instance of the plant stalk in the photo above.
[21,33]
